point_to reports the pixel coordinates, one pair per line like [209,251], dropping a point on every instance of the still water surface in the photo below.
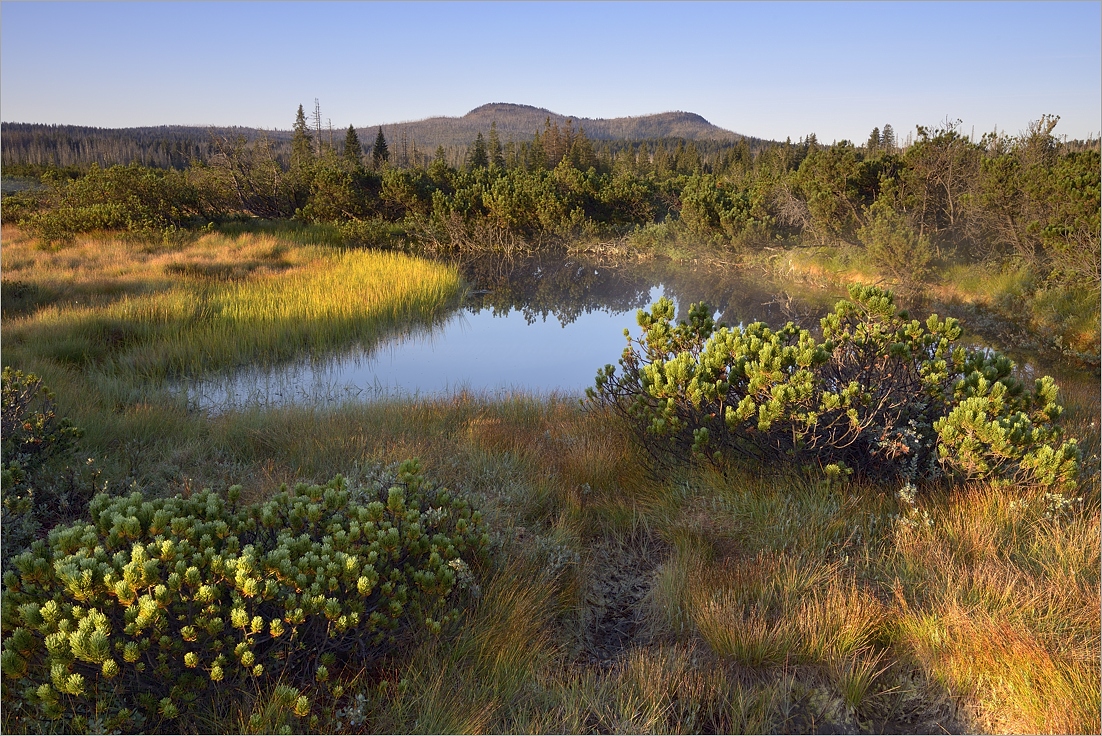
[536,325]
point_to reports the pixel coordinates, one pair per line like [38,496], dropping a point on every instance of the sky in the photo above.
[771,70]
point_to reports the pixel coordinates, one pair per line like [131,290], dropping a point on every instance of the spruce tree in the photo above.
[302,153]
[439,169]
[353,151]
[887,139]
[661,161]
[379,152]
[478,157]
[497,159]
[874,141]
[537,157]
[643,163]
[581,154]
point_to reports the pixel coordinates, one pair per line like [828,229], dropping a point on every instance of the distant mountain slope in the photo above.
[520,122]
[176,145]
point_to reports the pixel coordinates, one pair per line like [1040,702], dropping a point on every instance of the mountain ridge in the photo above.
[518,122]
[176,145]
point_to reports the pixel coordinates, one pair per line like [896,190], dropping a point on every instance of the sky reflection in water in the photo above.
[533,325]
[481,351]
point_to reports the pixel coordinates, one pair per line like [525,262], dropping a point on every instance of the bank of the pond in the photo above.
[544,322]
[538,324]
[1007,306]
[615,600]
[106,320]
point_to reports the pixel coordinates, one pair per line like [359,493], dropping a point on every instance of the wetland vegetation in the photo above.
[538,570]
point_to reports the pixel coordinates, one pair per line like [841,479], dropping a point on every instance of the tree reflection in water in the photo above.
[566,286]
[539,323]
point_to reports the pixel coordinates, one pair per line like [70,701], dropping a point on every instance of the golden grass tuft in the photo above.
[118,306]
[1016,679]
[777,608]
[1002,608]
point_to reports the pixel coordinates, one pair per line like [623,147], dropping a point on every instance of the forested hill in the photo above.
[164,146]
[175,146]
[520,122]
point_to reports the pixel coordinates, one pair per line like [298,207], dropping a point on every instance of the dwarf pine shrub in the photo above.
[137,199]
[881,394]
[132,618]
[39,486]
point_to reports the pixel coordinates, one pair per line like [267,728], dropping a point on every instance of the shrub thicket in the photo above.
[882,394]
[144,201]
[893,245]
[124,622]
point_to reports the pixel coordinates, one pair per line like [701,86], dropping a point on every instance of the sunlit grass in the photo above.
[762,614]
[1002,608]
[833,265]
[299,299]
[1016,680]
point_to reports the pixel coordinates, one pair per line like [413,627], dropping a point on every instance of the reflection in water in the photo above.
[536,324]
[566,287]
[540,286]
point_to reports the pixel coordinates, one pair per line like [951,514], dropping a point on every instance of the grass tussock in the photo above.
[1009,621]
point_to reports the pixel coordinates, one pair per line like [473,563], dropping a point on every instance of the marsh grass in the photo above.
[772,602]
[1002,608]
[1069,315]
[114,318]
[462,685]
[855,675]
[277,301]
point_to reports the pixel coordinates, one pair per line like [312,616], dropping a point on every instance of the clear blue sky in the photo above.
[766,69]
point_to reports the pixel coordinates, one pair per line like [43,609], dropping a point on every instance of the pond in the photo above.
[539,325]
[535,325]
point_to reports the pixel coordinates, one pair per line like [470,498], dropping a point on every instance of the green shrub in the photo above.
[31,432]
[156,603]
[144,201]
[893,245]
[38,484]
[370,233]
[723,213]
[882,394]
[20,206]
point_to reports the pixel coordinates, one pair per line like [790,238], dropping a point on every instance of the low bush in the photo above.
[371,233]
[893,245]
[40,483]
[150,203]
[884,395]
[126,621]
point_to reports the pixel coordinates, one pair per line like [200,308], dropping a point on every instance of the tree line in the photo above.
[32,148]
[28,148]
